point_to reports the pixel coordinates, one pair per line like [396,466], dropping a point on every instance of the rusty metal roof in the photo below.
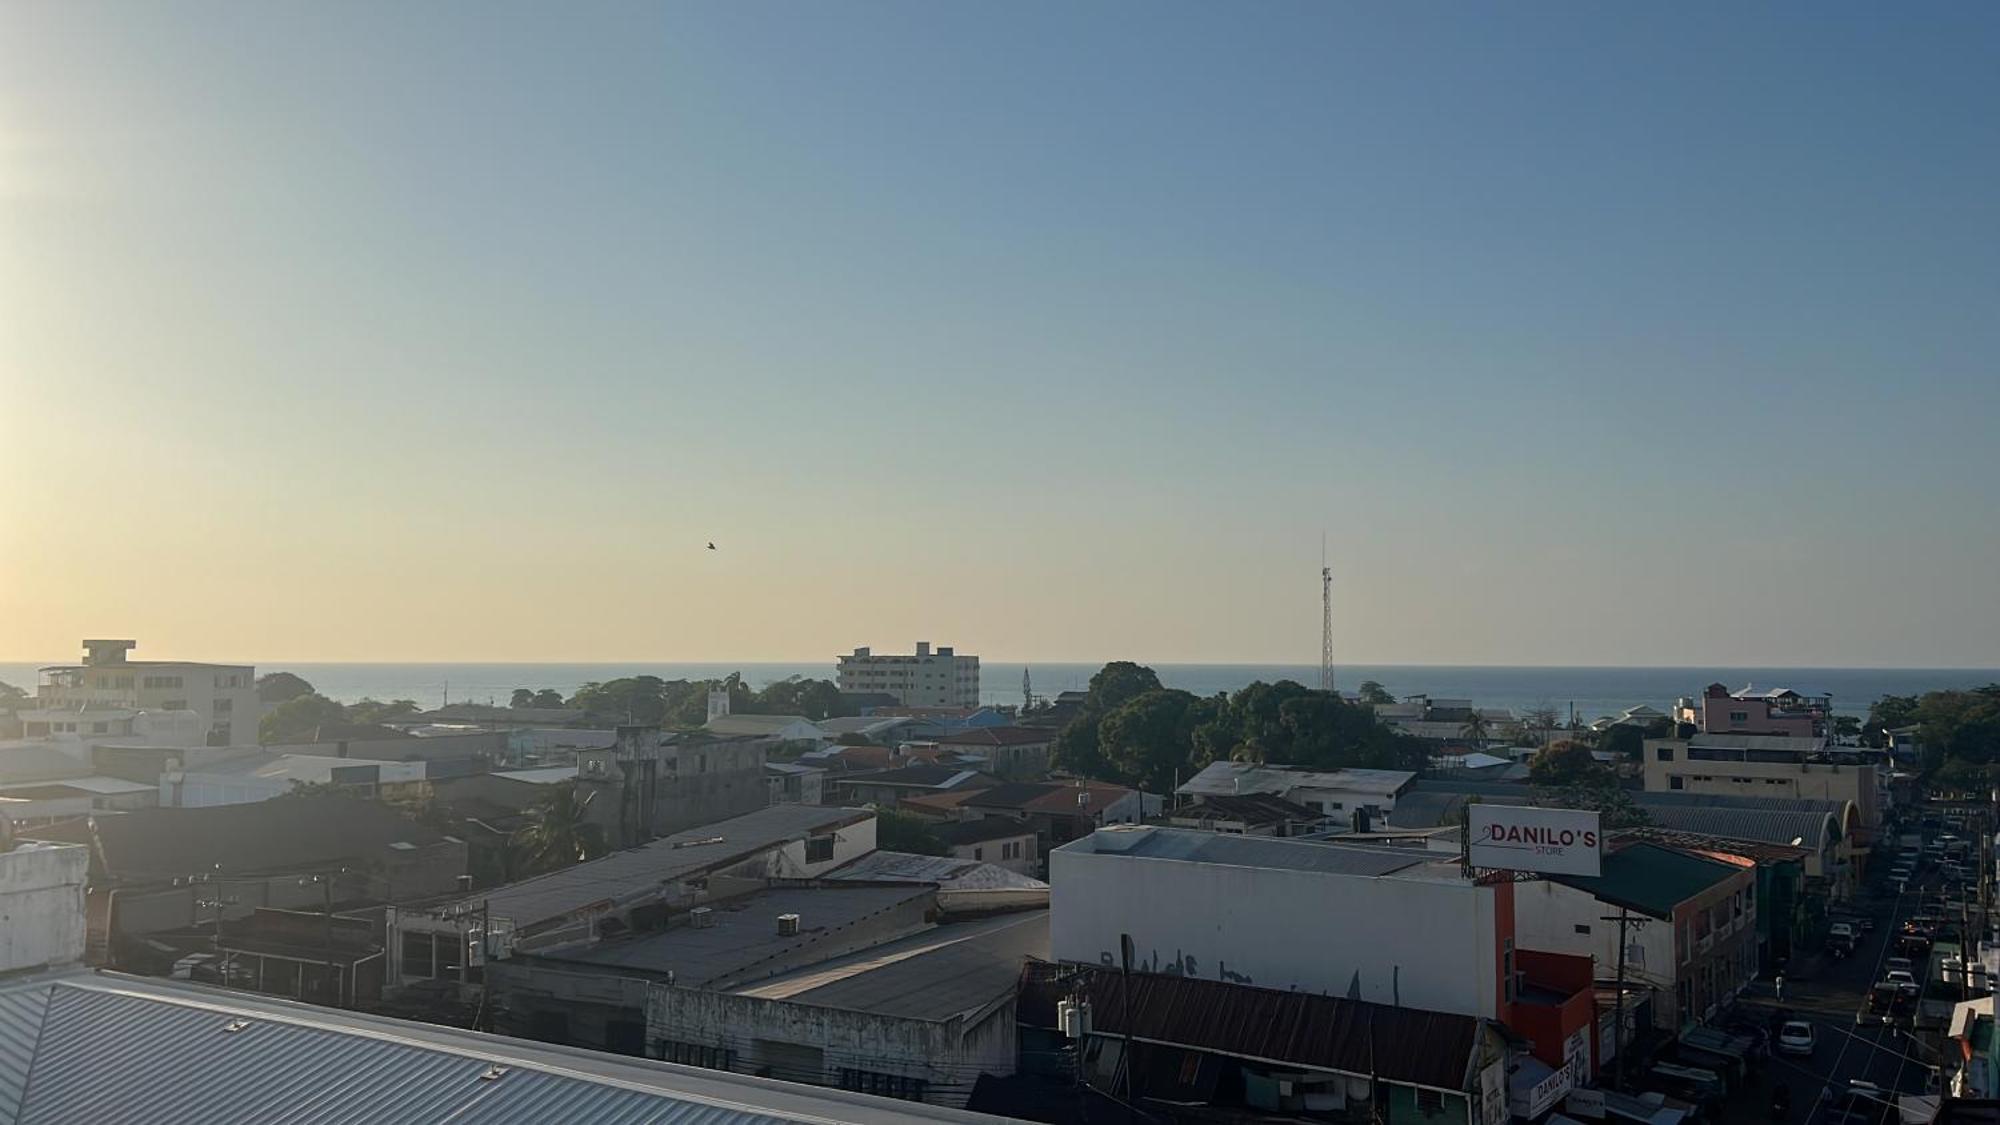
[1434,1049]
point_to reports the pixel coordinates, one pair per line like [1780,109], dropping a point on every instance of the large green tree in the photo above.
[281,687]
[814,699]
[1077,748]
[376,711]
[1566,764]
[13,699]
[1149,740]
[899,831]
[299,719]
[1372,692]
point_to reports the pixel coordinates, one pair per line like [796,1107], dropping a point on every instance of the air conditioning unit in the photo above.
[788,925]
[701,917]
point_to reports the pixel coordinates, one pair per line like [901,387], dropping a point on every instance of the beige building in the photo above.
[1752,765]
[928,679]
[110,697]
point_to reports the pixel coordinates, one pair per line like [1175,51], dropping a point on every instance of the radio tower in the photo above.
[1325,620]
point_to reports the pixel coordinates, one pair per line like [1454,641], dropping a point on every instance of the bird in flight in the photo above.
[711,546]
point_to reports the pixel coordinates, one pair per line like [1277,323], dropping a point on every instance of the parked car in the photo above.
[1902,965]
[1879,1006]
[1903,979]
[1842,931]
[1796,1038]
[1863,1103]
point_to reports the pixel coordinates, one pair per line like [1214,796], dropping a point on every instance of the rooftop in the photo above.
[316,769]
[998,736]
[544,775]
[917,777]
[1784,743]
[1046,796]
[1251,808]
[743,933]
[966,832]
[953,970]
[1189,845]
[1353,1037]
[106,1047]
[1650,878]
[1234,778]
[762,725]
[484,713]
[949,874]
[644,869]
[287,834]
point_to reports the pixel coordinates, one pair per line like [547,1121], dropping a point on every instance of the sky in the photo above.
[1585,334]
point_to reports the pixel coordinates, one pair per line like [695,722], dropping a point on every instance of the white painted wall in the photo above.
[41,905]
[1430,944]
[1546,917]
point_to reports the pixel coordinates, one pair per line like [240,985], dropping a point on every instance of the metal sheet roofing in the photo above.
[948,873]
[943,972]
[1230,778]
[531,902]
[743,932]
[1195,846]
[1650,878]
[102,1047]
[1433,1049]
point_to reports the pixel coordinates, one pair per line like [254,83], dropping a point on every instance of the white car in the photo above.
[1902,979]
[1796,1038]
[1899,965]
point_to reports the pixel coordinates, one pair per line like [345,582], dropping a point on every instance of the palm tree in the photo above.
[557,834]
[1475,728]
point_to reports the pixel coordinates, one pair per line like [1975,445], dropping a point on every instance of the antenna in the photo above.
[1325,618]
[1027,692]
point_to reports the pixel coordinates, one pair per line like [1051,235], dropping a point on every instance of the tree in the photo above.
[1846,727]
[281,687]
[557,834]
[1474,729]
[899,831]
[548,698]
[630,699]
[814,699]
[1565,764]
[522,699]
[299,718]
[13,699]
[1615,807]
[1373,693]
[1541,719]
[1076,748]
[376,711]
[1149,739]
[1624,740]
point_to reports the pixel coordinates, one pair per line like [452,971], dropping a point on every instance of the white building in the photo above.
[109,697]
[1335,794]
[261,775]
[928,679]
[1391,925]
[41,903]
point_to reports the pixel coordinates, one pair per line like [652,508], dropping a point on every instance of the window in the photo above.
[162,683]
[224,706]
[1739,716]
[1663,753]
[1676,783]
[885,1085]
[174,705]
[1430,1103]
[694,1054]
[819,849]
[979,853]
[1582,929]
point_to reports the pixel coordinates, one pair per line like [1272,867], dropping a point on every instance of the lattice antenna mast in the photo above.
[1325,619]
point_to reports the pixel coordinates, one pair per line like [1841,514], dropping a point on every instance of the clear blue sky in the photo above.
[451,331]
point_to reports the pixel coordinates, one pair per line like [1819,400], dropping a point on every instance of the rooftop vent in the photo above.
[234,1026]
[493,1074]
[701,917]
[788,925]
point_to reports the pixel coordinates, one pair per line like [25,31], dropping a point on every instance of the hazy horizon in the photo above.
[1588,336]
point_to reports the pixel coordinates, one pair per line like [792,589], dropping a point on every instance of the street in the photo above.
[1828,993]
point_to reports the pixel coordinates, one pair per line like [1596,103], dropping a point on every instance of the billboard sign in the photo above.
[1551,841]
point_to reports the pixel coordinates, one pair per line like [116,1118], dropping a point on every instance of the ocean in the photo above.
[1592,691]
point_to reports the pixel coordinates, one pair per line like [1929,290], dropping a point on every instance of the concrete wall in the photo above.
[948,1056]
[42,905]
[1420,943]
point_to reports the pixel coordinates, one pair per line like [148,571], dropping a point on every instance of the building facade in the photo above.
[41,903]
[104,697]
[1770,766]
[651,784]
[940,678]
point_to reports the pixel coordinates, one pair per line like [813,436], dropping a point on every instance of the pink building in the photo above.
[1777,711]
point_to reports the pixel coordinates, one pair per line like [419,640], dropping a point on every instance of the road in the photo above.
[1829,996]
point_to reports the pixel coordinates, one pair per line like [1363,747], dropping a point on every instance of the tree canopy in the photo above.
[899,831]
[1953,725]
[299,718]
[1566,764]
[1134,731]
[13,698]
[281,687]
[1373,692]
[557,833]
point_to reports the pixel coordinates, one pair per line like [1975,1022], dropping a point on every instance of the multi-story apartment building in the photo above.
[1778,711]
[1749,765]
[928,679]
[103,696]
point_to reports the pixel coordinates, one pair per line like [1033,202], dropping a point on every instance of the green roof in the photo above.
[1651,879]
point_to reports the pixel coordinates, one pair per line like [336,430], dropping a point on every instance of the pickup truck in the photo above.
[1879,1007]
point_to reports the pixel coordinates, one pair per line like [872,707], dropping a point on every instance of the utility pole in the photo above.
[1624,919]
[1125,1012]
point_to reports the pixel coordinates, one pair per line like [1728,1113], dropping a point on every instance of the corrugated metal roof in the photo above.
[1248,777]
[1650,878]
[531,902]
[935,975]
[1301,1028]
[132,1049]
[1768,827]
[950,874]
